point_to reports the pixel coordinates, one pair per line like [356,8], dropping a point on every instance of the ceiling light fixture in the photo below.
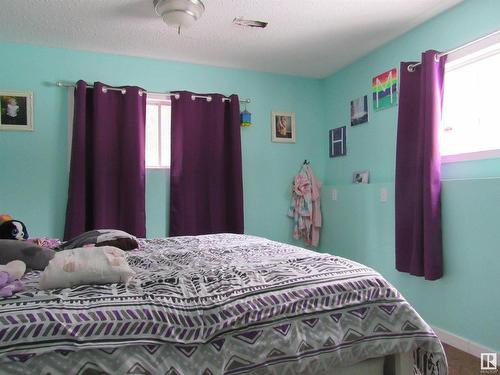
[179,13]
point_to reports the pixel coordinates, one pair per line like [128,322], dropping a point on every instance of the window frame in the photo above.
[159,100]
[471,54]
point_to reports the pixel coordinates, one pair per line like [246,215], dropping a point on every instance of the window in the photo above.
[158,131]
[471,125]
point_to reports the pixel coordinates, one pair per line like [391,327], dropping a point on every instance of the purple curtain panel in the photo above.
[107,174]
[206,187]
[418,170]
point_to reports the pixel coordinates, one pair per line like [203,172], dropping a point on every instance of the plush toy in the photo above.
[12,229]
[9,278]
[15,269]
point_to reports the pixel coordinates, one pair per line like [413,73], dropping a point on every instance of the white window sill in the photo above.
[489,154]
[158,168]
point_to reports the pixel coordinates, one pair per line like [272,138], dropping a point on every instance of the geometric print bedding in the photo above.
[216,304]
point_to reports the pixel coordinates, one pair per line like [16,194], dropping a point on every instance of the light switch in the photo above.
[383,195]
[334,194]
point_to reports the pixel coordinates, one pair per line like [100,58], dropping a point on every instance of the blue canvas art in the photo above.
[338,142]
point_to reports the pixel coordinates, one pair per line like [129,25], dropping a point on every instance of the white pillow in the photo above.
[86,265]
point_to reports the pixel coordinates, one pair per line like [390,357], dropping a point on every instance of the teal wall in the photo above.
[33,166]
[466,301]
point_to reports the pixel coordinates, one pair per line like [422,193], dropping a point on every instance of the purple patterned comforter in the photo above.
[219,304]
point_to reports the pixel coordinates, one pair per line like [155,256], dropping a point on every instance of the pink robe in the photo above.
[305,206]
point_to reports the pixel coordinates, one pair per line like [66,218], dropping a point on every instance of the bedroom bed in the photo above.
[220,304]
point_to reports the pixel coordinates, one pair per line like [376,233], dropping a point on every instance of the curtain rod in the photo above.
[175,95]
[412,67]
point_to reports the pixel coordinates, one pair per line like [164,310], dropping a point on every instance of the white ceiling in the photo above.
[304,37]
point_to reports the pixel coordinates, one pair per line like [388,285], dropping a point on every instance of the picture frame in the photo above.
[338,141]
[283,127]
[359,110]
[16,110]
[385,90]
[361,177]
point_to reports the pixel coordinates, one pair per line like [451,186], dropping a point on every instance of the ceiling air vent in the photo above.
[240,21]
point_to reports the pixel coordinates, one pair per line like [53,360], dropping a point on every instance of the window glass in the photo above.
[470,124]
[165,135]
[157,133]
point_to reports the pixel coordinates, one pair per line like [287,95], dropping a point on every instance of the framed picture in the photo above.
[16,110]
[283,127]
[359,110]
[338,139]
[361,177]
[385,90]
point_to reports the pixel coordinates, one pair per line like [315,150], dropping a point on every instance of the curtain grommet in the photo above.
[193,97]
[410,68]
[209,98]
[177,96]
[104,90]
[437,57]
[123,91]
[141,92]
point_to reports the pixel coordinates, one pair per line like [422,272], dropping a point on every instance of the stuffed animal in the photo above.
[12,229]
[15,269]
[9,278]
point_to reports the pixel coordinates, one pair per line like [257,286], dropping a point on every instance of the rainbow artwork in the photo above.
[385,90]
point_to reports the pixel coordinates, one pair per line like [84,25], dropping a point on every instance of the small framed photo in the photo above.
[361,177]
[359,110]
[283,127]
[16,110]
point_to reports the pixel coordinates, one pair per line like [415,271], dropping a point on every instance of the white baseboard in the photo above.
[464,345]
